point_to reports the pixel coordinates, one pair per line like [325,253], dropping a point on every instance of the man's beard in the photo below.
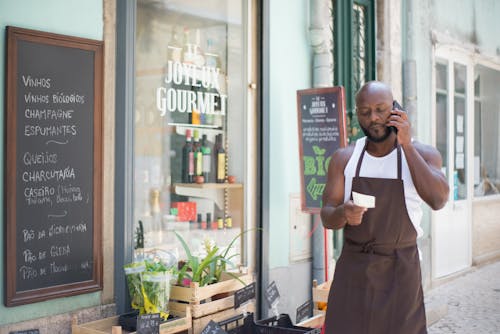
[373,139]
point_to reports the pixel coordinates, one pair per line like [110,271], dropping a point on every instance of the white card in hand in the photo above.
[366,201]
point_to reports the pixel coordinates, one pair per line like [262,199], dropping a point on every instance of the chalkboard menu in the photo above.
[148,324]
[53,166]
[304,311]
[272,294]
[322,130]
[244,295]
[213,328]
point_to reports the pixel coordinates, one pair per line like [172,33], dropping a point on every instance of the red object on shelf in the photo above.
[186,211]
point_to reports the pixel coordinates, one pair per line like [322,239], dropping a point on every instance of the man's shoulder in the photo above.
[426,151]
[343,154]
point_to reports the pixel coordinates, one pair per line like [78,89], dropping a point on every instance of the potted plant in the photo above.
[206,270]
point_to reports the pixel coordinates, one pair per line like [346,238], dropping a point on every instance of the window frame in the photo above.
[452,54]
[343,50]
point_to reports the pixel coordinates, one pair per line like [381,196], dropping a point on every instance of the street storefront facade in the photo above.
[200,132]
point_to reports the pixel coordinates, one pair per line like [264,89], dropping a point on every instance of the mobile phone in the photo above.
[396,105]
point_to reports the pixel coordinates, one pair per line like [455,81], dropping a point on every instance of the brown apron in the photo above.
[377,283]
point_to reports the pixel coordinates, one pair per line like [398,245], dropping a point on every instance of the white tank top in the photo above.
[385,167]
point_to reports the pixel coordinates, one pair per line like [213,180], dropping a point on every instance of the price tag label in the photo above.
[148,324]
[244,295]
[272,294]
[213,328]
[304,311]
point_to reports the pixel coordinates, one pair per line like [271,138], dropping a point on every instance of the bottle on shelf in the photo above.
[155,228]
[211,57]
[206,158]
[229,222]
[199,221]
[188,159]
[215,223]
[220,223]
[220,156]
[208,223]
[174,47]
[188,52]
[199,58]
[198,156]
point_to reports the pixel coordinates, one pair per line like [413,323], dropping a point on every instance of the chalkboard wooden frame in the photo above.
[13,297]
[337,95]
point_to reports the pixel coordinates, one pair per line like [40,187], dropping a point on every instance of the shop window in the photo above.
[486,131]
[451,119]
[189,146]
[442,113]
[460,131]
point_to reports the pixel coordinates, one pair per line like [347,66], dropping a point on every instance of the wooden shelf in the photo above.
[209,130]
[209,185]
[212,191]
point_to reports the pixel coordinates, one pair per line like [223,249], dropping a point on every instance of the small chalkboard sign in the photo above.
[213,328]
[148,323]
[322,130]
[304,311]
[244,295]
[53,166]
[272,294]
[27,331]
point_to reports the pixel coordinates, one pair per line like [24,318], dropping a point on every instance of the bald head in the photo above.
[373,108]
[374,89]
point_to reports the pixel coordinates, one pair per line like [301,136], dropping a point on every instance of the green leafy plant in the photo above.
[209,269]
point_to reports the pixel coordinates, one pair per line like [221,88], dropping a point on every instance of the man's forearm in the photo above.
[333,217]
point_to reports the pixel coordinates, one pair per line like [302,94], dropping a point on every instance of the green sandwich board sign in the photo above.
[322,130]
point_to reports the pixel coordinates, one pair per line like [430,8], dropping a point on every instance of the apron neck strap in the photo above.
[360,160]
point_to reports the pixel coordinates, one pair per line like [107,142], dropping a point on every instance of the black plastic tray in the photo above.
[274,325]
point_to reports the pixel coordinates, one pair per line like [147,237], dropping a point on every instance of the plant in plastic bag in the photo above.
[156,292]
[133,273]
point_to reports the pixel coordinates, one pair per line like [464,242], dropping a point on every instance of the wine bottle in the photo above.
[188,53]
[211,58]
[198,157]
[207,158]
[220,154]
[188,159]
[174,47]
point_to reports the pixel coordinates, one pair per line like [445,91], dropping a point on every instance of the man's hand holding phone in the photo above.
[400,123]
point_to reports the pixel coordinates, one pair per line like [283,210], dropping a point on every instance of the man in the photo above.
[377,283]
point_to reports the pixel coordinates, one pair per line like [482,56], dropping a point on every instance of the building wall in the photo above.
[473,25]
[69,17]
[485,231]
[470,26]
[290,68]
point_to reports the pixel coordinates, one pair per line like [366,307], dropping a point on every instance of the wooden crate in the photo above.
[320,295]
[110,325]
[200,323]
[211,298]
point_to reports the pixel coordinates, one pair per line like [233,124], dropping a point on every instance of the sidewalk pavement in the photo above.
[469,304]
